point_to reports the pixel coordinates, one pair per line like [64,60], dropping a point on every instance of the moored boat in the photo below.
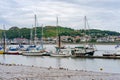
[87,49]
[82,51]
[34,50]
[34,53]
[13,50]
[116,53]
[1,50]
[61,51]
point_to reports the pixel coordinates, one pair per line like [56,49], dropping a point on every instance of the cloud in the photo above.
[101,14]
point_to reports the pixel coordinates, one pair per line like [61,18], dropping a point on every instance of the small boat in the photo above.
[116,53]
[61,51]
[32,50]
[82,51]
[1,50]
[13,50]
[22,48]
[86,50]
[34,53]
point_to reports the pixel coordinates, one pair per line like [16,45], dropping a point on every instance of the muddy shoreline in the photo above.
[22,72]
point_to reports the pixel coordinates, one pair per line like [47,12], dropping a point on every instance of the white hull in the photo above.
[28,53]
[66,52]
[60,55]
[118,51]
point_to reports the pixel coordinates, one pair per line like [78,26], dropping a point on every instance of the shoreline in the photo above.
[95,43]
[22,72]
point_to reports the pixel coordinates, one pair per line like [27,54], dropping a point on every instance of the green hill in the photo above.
[51,31]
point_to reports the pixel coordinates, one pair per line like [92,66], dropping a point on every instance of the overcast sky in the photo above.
[101,14]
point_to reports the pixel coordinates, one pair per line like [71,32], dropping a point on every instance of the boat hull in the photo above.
[83,54]
[12,53]
[60,55]
[1,52]
[33,53]
[111,54]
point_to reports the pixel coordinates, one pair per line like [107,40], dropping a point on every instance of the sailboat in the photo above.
[61,51]
[33,49]
[13,50]
[9,49]
[114,54]
[86,50]
[117,48]
[2,46]
[1,50]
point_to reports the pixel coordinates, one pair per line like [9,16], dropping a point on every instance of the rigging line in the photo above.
[89,32]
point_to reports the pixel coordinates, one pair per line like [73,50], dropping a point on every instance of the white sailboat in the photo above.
[34,50]
[3,46]
[1,50]
[117,50]
[114,54]
[85,50]
[61,51]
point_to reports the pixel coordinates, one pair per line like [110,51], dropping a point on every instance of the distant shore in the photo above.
[21,72]
[95,43]
[100,43]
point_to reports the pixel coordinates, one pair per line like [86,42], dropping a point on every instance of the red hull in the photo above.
[12,53]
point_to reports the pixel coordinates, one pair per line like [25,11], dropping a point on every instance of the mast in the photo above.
[58,34]
[85,26]
[87,30]
[42,37]
[4,39]
[85,23]
[57,26]
[31,35]
[35,38]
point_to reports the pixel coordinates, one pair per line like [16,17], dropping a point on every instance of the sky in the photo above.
[101,14]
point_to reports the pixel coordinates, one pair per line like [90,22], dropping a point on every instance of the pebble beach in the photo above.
[22,72]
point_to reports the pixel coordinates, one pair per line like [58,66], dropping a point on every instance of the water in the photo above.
[108,65]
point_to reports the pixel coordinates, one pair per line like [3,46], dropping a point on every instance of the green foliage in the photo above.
[0,33]
[93,40]
[78,40]
[53,31]
[70,40]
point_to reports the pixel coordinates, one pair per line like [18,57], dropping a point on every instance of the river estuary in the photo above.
[107,65]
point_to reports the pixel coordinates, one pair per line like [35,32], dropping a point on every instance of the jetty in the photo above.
[101,57]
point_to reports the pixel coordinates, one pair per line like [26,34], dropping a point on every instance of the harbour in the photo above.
[59,40]
[93,63]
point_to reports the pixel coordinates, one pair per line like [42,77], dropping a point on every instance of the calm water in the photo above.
[108,65]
